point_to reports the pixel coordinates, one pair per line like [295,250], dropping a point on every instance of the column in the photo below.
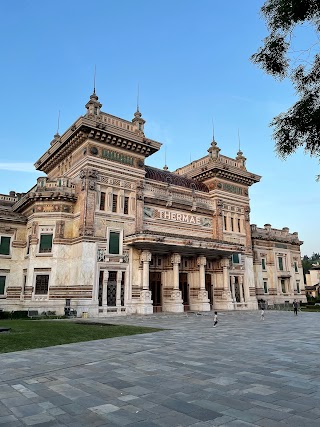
[105,287]
[240,279]
[145,258]
[233,280]
[225,262]
[202,262]
[118,294]
[175,261]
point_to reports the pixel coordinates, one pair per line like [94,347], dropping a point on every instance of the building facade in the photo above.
[105,233]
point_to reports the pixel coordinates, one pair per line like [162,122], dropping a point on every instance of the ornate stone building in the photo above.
[106,233]
[277,265]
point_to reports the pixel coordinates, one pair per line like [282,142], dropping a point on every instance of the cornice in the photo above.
[44,196]
[85,128]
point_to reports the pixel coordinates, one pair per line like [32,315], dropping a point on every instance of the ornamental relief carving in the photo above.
[90,176]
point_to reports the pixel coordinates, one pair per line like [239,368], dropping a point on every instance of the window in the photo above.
[263,263]
[225,222]
[28,244]
[114,242]
[102,200]
[126,206]
[232,226]
[280,263]
[114,202]
[283,286]
[45,243]
[159,261]
[265,286]
[298,286]
[5,245]
[239,225]
[2,284]
[235,258]
[296,267]
[24,283]
[42,284]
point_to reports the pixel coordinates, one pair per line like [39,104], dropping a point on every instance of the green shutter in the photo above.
[114,242]
[280,263]
[45,243]
[235,258]
[5,246]
[263,261]
[2,284]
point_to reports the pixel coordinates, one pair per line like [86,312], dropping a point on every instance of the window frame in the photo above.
[102,204]
[114,207]
[120,233]
[39,245]
[6,236]
[4,295]
[265,286]
[126,205]
[282,258]
[36,274]
[239,259]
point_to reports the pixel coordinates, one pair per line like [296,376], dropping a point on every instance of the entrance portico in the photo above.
[179,275]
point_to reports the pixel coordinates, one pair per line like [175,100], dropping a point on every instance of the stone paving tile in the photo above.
[242,373]
[7,418]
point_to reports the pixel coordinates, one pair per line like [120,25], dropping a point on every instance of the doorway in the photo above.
[184,288]
[209,288]
[155,287]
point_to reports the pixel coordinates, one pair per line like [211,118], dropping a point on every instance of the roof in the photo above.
[174,179]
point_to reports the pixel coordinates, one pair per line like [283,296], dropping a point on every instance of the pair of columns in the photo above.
[241,290]
[145,258]
[118,289]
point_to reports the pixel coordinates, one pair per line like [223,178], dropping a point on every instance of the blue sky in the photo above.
[191,61]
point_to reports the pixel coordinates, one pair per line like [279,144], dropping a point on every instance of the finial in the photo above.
[58,123]
[94,79]
[212,130]
[165,167]
[239,139]
[138,99]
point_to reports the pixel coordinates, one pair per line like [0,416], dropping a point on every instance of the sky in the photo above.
[191,62]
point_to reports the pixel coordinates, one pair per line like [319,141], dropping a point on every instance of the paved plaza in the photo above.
[245,372]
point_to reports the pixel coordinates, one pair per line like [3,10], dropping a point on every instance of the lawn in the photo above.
[27,334]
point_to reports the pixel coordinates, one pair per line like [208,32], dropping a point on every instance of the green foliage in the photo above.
[21,314]
[25,334]
[308,261]
[300,125]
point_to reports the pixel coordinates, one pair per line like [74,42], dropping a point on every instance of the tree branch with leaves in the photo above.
[300,125]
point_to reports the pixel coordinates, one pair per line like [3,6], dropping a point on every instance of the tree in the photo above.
[300,125]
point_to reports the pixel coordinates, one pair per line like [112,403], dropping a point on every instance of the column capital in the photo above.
[225,262]
[201,260]
[145,256]
[175,259]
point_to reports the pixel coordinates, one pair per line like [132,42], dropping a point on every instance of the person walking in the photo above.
[215,319]
[295,307]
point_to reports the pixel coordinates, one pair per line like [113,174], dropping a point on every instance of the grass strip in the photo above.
[27,334]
